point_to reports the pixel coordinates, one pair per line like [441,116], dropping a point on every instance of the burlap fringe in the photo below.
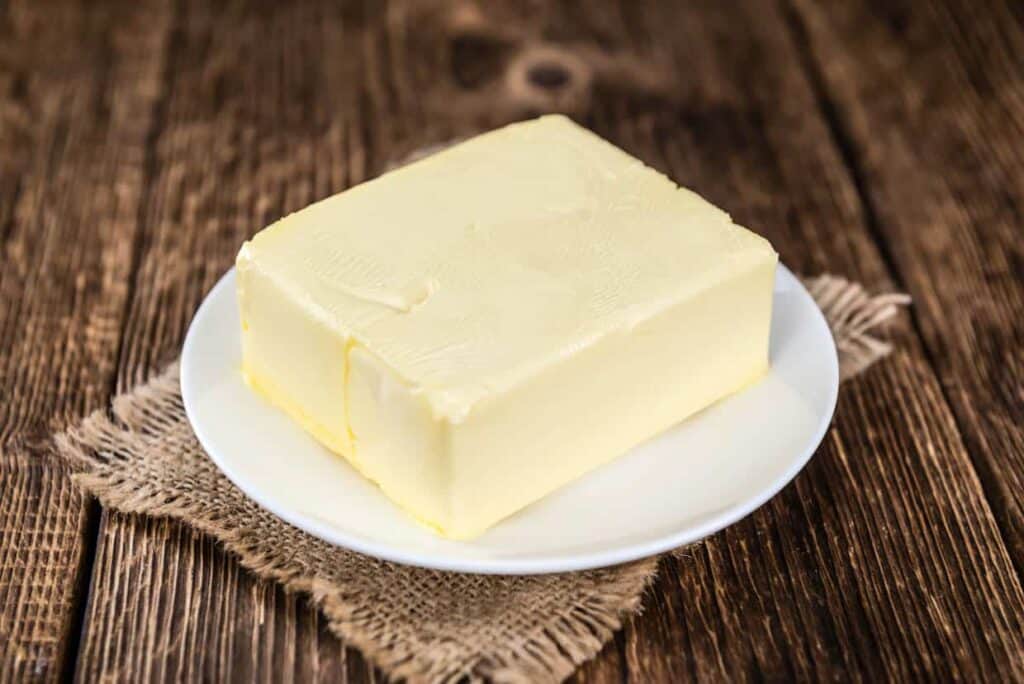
[417,624]
[853,315]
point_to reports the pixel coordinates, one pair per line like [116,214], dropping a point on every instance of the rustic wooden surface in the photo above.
[141,142]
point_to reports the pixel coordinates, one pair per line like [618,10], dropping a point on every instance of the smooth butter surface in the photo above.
[478,328]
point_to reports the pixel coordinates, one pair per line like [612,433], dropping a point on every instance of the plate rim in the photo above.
[527,566]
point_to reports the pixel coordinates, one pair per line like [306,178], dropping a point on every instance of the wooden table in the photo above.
[142,141]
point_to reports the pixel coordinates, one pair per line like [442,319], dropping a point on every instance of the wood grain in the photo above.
[929,98]
[43,528]
[883,560]
[871,564]
[252,132]
[184,614]
[76,94]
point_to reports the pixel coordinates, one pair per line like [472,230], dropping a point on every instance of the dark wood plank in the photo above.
[77,91]
[179,612]
[882,560]
[43,530]
[265,113]
[929,98]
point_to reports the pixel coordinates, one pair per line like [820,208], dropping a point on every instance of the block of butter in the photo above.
[483,326]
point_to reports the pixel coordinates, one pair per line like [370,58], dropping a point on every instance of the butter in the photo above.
[483,326]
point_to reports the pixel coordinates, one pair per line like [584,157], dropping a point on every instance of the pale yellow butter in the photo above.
[481,327]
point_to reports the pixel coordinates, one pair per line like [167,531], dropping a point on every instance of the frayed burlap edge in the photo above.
[853,315]
[418,624]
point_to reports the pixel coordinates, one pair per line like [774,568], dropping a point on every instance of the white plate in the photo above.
[691,481]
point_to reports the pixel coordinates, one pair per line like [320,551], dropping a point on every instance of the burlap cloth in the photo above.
[423,625]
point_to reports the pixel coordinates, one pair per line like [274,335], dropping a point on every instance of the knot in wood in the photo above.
[548,78]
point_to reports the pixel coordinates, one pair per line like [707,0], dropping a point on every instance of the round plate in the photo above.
[707,472]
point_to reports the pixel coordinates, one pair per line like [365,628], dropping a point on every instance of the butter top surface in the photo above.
[475,268]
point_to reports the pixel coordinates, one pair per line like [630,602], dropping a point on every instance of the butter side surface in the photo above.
[478,328]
